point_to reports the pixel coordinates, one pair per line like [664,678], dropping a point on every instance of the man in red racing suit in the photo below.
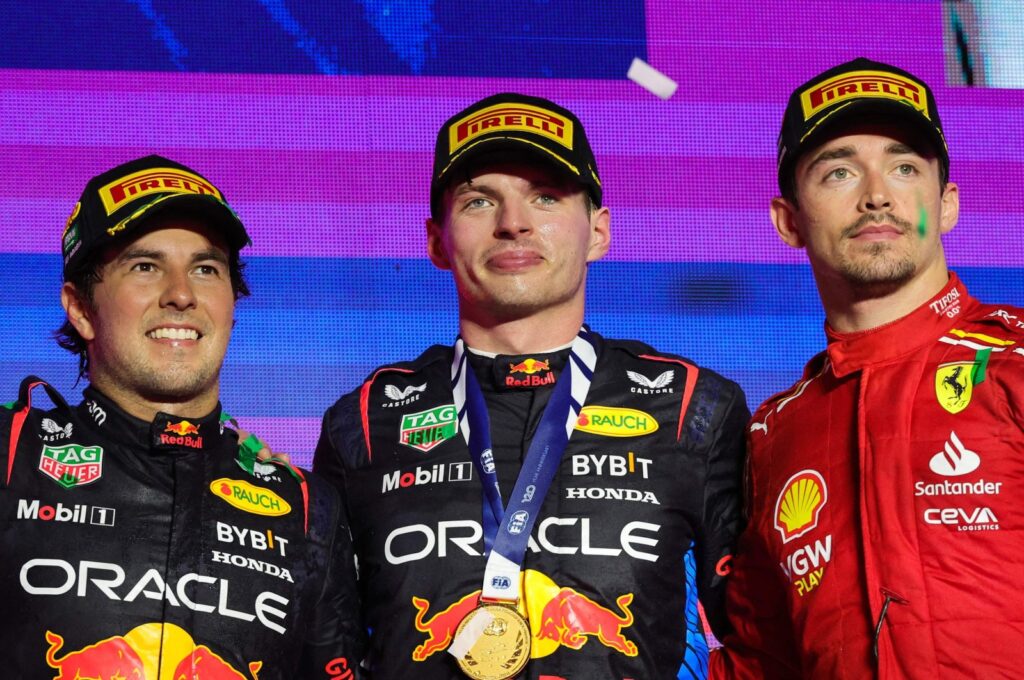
[886,534]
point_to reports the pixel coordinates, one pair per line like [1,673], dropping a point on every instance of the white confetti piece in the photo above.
[651,79]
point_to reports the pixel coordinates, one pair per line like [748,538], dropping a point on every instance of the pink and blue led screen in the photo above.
[317,119]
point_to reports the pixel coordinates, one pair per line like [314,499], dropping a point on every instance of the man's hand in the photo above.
[251,444]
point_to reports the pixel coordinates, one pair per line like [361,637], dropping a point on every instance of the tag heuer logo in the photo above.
[648,386]
[427,429]
[72,465]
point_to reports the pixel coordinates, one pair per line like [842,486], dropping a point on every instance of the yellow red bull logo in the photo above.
[249,498]
[529,366]
[558,616]
[535,374]
[510,118]
[860,84]
[154,181]
[799,504]
[183,428]
[614,421]
[183,433]
[152,651]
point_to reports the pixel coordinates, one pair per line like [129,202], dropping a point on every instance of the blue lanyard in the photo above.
[507,530]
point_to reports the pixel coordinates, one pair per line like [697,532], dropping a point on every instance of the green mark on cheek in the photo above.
[922,219]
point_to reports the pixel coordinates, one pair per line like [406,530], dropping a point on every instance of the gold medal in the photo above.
[502,647]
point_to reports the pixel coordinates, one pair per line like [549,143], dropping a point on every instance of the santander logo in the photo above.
[955,459]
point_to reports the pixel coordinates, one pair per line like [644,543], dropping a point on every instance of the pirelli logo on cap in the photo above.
[858,84]
[153,181]
[511,118]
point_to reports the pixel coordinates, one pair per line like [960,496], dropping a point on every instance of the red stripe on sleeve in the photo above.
[16,425]
[691,383]
[364,404]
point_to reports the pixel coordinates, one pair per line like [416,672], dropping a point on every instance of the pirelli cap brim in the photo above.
[119,201]
[858,90]
[530,125]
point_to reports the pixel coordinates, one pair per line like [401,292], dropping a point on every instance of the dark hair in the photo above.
[85,280]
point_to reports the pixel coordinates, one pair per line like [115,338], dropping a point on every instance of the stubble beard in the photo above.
[878,267]
[173,382]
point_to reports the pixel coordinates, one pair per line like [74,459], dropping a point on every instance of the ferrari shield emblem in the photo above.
[954,385]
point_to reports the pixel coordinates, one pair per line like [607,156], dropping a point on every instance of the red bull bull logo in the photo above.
[558,616]
[152,651]
[183,433]
[530,366]
[534,374]
[440,628]
[571,617]
[182,429]
[204,664]
[113,657]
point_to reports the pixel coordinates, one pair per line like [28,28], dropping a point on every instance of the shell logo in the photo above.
[802,498]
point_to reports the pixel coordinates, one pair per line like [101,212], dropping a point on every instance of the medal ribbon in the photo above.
[507,530]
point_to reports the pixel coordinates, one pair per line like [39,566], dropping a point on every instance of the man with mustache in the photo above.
[535,500]
[885,535]
[138,538]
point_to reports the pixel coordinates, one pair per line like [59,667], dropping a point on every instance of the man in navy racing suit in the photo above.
[138,539]
[602,473]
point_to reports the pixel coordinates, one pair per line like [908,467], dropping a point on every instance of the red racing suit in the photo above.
[137,549]
[886,536]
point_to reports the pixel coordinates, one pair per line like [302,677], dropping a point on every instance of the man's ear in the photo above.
[435,245]
[78,310]
[600,234]
[949,211]
[784,218]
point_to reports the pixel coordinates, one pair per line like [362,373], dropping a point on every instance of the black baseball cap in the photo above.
[855,90]
[116,202]
[520,122]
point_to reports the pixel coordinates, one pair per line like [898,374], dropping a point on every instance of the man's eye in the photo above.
[906,169]
[144,267]
[839,173]
[477,203]
[207,270]
[547,199]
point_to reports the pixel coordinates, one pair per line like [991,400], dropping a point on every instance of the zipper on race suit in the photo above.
[890,597]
